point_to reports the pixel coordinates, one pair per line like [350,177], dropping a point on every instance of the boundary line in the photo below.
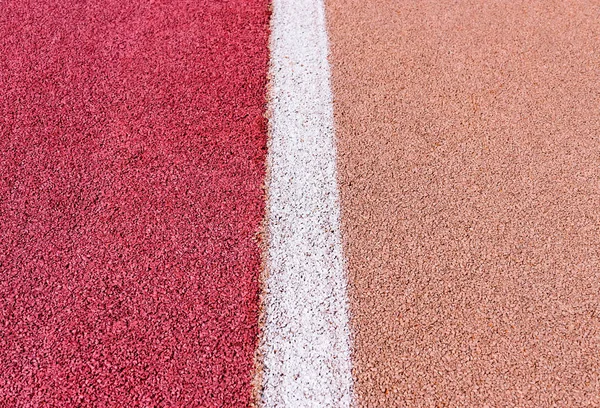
[305,344]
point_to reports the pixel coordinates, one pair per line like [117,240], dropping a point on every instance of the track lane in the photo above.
[132,151]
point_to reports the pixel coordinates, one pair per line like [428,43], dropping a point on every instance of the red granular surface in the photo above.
[132,149]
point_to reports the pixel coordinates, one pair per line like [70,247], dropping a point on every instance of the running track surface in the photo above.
[132,145]
[469,167]
[133,153]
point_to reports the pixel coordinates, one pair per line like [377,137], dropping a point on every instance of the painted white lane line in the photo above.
[306,339]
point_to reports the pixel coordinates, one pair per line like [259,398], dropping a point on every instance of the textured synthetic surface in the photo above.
[469,166]
[305,346]
[132,148]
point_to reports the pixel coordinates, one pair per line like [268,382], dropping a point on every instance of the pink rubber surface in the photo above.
[132,148]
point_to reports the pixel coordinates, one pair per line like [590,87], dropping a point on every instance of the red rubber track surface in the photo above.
[132,150]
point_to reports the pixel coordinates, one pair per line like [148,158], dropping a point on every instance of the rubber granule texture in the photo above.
[469,167]
[132,149]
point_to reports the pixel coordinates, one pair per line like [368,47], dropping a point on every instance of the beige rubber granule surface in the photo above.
[469,164]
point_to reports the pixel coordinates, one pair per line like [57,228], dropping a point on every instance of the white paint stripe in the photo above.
[306,338]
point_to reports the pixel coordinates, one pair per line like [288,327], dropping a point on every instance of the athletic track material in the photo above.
[299,203]
[469,164]
[132,145]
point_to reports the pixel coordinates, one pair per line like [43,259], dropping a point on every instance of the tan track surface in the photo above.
[469,163]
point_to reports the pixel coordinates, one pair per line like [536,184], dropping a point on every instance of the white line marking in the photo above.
[306,339]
